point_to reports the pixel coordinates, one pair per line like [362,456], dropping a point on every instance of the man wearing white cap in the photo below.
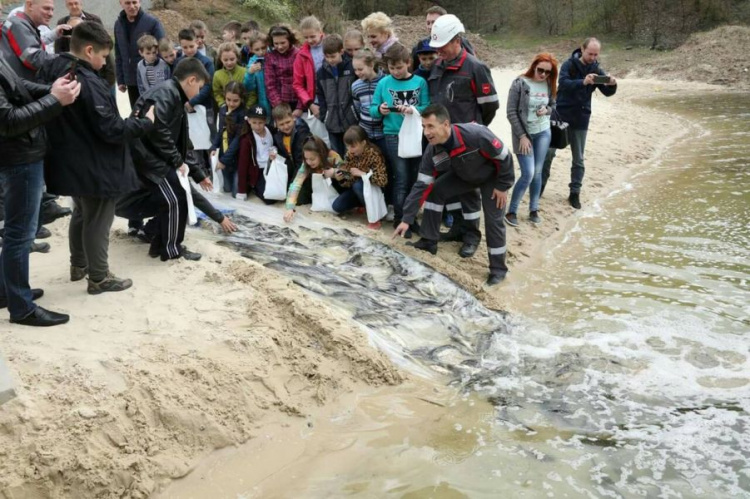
[463,84]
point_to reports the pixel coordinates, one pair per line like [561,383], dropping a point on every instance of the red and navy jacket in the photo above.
[22,47]
[465,87]
[473,153]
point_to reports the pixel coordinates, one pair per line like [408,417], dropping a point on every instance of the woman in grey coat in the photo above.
[531,100]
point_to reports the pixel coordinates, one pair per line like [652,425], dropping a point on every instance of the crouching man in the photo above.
[460,159]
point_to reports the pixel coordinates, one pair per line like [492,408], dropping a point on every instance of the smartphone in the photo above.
[72,72]
[393,109]
[599,80]
[260,59]
[67,32]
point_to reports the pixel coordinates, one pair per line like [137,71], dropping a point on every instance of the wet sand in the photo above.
[201,356]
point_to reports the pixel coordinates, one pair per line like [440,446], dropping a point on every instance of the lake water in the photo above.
[623,372]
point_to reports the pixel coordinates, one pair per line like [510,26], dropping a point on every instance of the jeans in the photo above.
[577,169]
[531,166]
[23,193]
[230,181]
[350,198]
[401,175]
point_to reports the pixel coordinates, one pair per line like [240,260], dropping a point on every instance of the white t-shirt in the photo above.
[263,147]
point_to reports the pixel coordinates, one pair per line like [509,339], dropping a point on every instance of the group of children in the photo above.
[270,94]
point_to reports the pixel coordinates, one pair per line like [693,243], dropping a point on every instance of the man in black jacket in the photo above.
[459,160]
[159,157]
[88,158]
[24,107]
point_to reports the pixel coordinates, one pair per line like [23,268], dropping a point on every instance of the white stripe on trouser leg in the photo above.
[433,207]
[173,218]
[453,206]
[497,251]
[472,216]
[425,179]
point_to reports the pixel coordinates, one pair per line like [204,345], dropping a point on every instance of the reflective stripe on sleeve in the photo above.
[433,207]
[425,179]
[503,153]
[487,98]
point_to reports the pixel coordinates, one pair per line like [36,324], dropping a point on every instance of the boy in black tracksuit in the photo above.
[334,92]
[159,157]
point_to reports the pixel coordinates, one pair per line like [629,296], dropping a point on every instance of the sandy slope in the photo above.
[141,384]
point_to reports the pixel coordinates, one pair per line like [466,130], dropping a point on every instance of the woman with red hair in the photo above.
[531,100]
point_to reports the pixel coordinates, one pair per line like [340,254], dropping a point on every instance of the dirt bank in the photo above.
[142,384]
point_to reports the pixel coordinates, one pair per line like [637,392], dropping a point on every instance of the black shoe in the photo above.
[511,219]
[40,247]
[53,211]
[408,233]
[36,293]
[467,250]
[43,233]
[425,245]
[142,236]
[574,200]
[495,279]
[535,218]
[455,234]
[42,318]
[187,255]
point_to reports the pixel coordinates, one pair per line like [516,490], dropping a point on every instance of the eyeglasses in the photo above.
[543,71]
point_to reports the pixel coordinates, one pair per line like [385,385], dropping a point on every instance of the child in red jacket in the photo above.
[308,62]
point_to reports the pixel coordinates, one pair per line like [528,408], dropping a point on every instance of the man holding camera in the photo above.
[580,75]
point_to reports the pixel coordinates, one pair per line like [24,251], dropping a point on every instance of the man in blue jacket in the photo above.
[129,26]
[574,89]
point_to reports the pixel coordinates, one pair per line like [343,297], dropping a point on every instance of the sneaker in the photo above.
[495,279]
[109,283]
[189,255]
[78,273]
[535,218]
[574,200]
[132,231]
[374,226]
[511,219]
[391,214]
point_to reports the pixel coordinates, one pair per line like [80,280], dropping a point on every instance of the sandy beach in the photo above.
[197,356]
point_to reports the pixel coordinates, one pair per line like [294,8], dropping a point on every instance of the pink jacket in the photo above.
[304,77]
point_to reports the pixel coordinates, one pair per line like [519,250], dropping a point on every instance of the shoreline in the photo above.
[142,386]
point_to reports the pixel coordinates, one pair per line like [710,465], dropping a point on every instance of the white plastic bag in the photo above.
[317,127]
[374,200]
[323,193]
[410,136]
[185,182]
[218,176]
[276,179]
[200,134]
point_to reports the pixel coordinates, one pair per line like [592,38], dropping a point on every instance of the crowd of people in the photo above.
[326,104]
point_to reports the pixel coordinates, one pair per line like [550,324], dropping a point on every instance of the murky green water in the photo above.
[625,374]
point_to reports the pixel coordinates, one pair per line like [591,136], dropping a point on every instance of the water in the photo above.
[625,372]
